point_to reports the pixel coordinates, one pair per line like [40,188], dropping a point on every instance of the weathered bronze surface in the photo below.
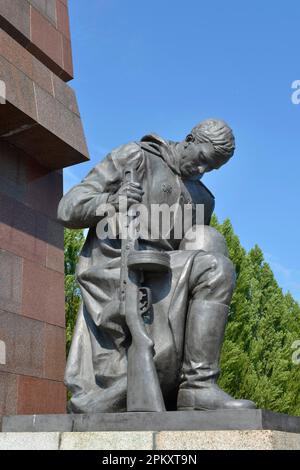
[149,338]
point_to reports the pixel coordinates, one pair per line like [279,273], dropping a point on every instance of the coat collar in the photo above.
[162,148]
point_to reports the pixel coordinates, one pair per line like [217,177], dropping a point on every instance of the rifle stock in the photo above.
[143,388]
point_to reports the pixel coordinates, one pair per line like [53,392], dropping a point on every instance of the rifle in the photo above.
[143,388]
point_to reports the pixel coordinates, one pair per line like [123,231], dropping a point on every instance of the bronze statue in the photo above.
[187,315]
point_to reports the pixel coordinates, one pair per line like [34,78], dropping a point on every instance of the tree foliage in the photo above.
[74,240]
[263,325]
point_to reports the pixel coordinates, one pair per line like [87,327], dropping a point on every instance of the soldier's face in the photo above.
[193,161]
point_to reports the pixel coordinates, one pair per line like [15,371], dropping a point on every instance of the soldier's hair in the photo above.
[219,134]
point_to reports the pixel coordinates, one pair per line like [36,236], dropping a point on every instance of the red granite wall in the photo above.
[40,133]
[42,27]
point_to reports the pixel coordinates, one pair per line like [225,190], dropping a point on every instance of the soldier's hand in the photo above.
[132,191]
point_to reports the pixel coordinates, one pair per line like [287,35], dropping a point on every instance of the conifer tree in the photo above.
[264,324]
[74,240]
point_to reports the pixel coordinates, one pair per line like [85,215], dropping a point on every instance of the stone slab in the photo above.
[34,69]
[168,421]
[227,440]
[47,8]
[40,114]
[11,267]
[32,347]
[107,441]
[40,396]
[37,423]
[15,19]
[161,441]
[8,393]
[42,304]
[24,339]
[41,28]
[29,441]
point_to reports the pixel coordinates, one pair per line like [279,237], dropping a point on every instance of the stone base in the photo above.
[220,420]
[172,440]
[179,430]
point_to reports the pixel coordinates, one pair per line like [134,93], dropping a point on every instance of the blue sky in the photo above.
[165,65]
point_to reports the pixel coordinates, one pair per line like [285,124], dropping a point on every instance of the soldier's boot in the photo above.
[205,329]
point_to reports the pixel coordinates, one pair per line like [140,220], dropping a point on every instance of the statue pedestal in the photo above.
[161,441]
[180,430]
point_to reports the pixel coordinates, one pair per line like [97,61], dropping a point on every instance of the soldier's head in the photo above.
[209,145]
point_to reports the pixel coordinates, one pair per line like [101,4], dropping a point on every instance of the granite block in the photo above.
[12,51]
[55,259]
[107,441]
[11,285]
[21,58]
[40,396]
[24,339]
[19,92]
[54,352]
[65,94]
[68,70]
[41,75]
[44,189]
[13,167]
[55,247]
[13,121]
[48,149]
[23,231]
[15,18]
[145,441]
[8,393]
[43,294]
[26,441]
[33,24]
[13,172]
[63,23]
[47,8]
[45,38]
[58,119]
[45,128]
[227,440]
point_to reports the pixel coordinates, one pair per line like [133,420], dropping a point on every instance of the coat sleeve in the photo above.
[78,207]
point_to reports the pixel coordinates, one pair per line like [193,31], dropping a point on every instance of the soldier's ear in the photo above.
[190,138]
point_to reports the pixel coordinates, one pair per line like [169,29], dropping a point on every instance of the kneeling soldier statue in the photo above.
[154,308]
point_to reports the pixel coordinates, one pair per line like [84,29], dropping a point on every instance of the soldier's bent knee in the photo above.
[212,277]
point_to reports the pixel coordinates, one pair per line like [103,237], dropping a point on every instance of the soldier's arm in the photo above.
[78,208]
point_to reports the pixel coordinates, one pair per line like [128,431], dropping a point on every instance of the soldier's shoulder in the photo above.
[124,153]
[205,188]
[125,149]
